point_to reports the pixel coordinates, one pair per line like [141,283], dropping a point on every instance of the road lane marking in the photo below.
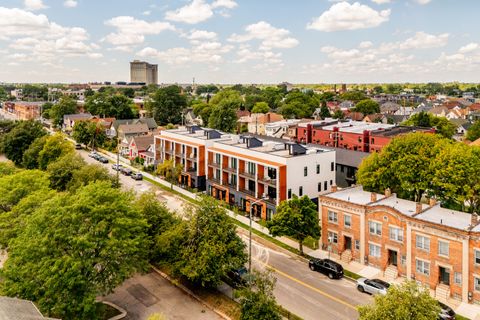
[286,275]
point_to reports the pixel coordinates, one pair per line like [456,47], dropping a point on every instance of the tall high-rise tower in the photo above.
[143,72]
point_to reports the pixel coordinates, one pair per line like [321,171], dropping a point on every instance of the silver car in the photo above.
[372,286]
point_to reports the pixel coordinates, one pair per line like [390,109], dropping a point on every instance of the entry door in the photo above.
[348,243]
[392,257]
[444,276]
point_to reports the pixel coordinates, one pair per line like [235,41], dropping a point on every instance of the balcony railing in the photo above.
[271,200]
[230,169]
[268,180]
[246,191]
[214,180]
[214,164]
[247,174]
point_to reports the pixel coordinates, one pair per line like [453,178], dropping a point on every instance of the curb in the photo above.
[123,312]
[190,293]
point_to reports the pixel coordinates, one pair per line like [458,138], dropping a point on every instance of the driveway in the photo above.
[143,295]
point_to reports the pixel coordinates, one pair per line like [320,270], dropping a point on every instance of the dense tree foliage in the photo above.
[324,112]
[30,156]
[89,133]
[473,133]
[367,106]
[442,125]
[224,107]
[66,105]
[338,114]
[297,218]
[260,107]
[257,300]
[81,176]
[61,171]
[407,301]
[118,106]
[355,96]
[209,88]
[167,104]
[299,105]
[55,147]
[75,247]
[18,139]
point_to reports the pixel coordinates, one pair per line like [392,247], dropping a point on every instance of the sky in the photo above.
[241,41]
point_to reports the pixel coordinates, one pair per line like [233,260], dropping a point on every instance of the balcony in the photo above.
[214,180]
[192,171]
[247,192]
[214,164]
[169,151]
[269,181]
[192,156]
[271,201]
[247,175]
[230,185]
[230,169]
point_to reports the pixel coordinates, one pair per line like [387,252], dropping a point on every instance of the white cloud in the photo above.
[269,36]
[195,12]
[346,16]
[381,1]
[70,3]
[229,4]
[33,5]
[365,44]
[146,13]
[200,35]
[469,48]
[423,2]
[131,31]
[422,40]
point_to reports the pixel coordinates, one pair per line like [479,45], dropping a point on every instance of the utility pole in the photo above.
[250,235]
[118,160]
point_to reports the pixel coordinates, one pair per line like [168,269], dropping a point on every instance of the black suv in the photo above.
[331,268]
[239,277]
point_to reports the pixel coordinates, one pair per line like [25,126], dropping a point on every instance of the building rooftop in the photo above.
[357,126]
[451,218]
[355,195]
[406,207]
[393,131]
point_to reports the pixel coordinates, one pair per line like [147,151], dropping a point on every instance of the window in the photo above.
[422,242]
[477,256]
[318,168]
[374,250]
[423,267]
[477,283]
[403,260]
[375,228]
[357,244]
[443,248]
[251,168]
[331,182]
[300,191]
[332,237]
[233,179]
[217,174]
[347,221]
[217,158]
[325,186]
[305,171]
[233,163]
[332,217]
[373,140]
[395,234]
[289,193]
[457,278]
[319,187]
[332,166]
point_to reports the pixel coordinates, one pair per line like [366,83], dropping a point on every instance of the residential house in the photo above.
[27,110]
[456,113]
[435,246]
[355,116]
[440,111]
[69,120]
[106,123]
[376,117]
[150,122]
[462,126]
[279,129]
[189,118]
[256,122]
[139,144]
[390,108]
[346,105]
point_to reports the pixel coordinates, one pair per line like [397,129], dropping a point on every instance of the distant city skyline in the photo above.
[241,41]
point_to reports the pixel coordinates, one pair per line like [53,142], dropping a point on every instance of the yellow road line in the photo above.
[308,286]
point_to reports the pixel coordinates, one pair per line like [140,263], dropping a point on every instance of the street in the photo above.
[307,294]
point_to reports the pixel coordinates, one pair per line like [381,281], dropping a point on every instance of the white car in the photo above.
[372,286]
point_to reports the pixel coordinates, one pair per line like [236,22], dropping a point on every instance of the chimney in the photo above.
[432,202]
[334,188]
[388,192]
[418,208]
[474,219]
[373,197]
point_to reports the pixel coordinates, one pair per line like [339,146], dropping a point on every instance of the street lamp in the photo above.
[250,234]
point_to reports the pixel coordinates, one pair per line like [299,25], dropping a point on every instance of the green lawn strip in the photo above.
[171,190]
[288,315]
[459,317]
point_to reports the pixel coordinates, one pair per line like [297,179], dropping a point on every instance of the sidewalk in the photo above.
[469,310]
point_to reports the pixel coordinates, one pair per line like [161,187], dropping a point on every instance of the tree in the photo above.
[203,110]
[167,104]
[402,302]
[367,106]
[55,147]
[378,89]
[61,171]
[422,119]
[17,186]
[110,105]
[30,156]
[473,133]
[260,107]
[297,218]
[273,96]
[87,174]
[7,168]
[89,133]
[223,116]
[257,301]
[212,247]
[354,96]
[338,114]
[75,247]
[169,171]
[324,112]
[46,107]
[66,105]
[18,140]
[299,105]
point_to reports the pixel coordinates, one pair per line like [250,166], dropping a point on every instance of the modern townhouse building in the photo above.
[247,171]
[435,246]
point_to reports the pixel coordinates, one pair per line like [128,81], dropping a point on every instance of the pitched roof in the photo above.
[133,128]
[389,107]
[438,110]
[78,116]
[142,142]
[150,122]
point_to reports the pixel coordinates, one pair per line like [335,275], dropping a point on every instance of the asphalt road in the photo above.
[308,294]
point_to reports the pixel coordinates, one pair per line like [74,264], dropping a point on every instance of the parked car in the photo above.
[78,146]
[117,167]
[328,267]
[372,286]
[136,176]
[102,159]
[239,277]
[446,313]
[126,171]
[93,154]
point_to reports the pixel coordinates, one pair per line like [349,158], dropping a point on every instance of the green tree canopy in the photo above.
[30,157]
[7,168]
[75,247]
[212,247]
[203,110]
[324,112]
[66,105]
[257,300]
[18,139]
[167,104]
[89,133]
[297,218]
[225,105]
[422,119]
[473,133]
[114,105]
[402,302]
[367,106]
[55,147]
[338,114]
[299,105]
[355,96]
[61,171]
[87,174]
[260,107]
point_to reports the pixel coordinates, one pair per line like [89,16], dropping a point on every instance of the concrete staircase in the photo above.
[442,292]
[346,256]
[391,273]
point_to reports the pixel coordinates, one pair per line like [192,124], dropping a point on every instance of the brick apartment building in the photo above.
[351,135]
[436,246]
[245,169]
[24,110]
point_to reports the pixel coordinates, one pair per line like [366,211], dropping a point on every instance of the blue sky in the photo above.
[241,41]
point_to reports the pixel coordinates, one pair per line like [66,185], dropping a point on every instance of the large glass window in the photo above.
[332,237]
[332,217]
[443,248]
[423,267]
[395,234]
[375,228]
[422,242]
[347,221]
[374,250]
